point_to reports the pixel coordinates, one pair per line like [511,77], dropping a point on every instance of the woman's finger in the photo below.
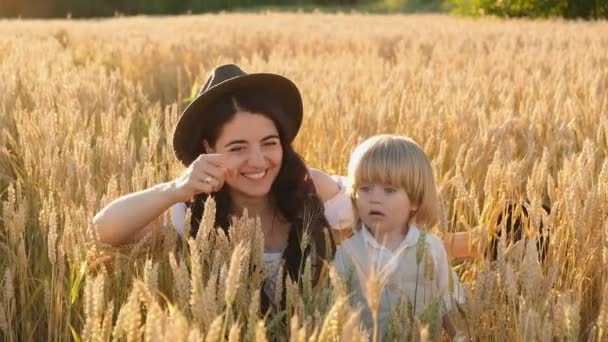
[216,159]
[210,170]
[215,183]
[204,187]
[228,162]
[202,168]
[231,163]
[211,175]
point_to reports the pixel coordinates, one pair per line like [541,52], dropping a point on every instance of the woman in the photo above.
[235,140]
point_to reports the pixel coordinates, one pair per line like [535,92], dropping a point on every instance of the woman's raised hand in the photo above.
[206,174]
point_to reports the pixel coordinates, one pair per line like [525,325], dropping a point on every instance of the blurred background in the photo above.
[583,9]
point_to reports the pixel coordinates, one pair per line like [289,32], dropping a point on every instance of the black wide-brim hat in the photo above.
[187,139]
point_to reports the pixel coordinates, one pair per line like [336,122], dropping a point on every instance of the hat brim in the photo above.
[187,143]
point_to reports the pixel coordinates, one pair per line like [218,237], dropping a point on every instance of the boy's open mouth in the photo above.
[376,213]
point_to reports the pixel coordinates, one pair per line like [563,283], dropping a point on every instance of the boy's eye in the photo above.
[236,149]
[364,188]
[389,190]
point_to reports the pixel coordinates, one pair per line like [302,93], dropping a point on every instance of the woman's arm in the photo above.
[326,187]
[339,211]
[127,218]
[460,244]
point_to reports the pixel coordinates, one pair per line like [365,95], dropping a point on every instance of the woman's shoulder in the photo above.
[326,186]
[339,211]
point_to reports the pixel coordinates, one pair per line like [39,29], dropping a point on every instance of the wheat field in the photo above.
[507,111]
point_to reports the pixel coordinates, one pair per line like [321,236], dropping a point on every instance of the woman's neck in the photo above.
[256,206]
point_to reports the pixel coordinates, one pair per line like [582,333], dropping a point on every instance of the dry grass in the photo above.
[505,109]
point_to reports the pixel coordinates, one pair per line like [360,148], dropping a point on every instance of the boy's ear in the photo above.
[207,148]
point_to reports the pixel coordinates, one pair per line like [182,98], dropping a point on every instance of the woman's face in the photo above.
[251,142]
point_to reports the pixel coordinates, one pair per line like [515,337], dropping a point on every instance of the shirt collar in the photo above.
[410,239]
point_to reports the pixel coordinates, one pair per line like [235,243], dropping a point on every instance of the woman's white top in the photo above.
[272,265]
[338,212]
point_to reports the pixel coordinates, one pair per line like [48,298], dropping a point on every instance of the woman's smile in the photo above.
[255,175]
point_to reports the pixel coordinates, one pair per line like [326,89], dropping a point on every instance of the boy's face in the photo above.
[384,208]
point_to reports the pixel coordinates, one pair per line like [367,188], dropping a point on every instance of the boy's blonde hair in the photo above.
[400,162]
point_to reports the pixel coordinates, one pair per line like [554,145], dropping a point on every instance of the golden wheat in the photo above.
[507,110]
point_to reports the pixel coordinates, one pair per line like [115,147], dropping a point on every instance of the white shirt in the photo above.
[338,212]
[422,282]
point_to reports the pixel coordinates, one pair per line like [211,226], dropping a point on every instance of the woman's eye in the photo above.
[270,143]
[236,149]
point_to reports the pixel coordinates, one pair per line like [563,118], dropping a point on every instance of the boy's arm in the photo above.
[339,262]
[444,277]
[443,271]
[345,266]
[444,274]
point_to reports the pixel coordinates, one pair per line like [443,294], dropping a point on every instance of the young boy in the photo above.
[391,256]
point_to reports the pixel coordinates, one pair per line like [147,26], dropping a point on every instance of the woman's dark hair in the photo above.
[293,191]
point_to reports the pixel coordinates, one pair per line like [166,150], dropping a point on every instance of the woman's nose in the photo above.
[256,158]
